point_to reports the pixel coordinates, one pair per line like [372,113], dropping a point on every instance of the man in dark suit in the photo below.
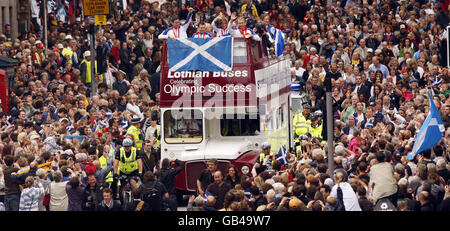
[155,84]
[101,56]
[361,88]
[351,127]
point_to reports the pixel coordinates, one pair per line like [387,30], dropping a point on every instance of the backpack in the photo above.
[151,196]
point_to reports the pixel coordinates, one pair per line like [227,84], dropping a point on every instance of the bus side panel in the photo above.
[273,87]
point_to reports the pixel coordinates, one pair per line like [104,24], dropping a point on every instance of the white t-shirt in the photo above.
[148,43]
[299,71]
[179,32]
[350,199]
[34,9]
[135,110]
[149,133]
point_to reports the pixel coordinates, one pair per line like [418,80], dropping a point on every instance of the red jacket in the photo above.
[116,53]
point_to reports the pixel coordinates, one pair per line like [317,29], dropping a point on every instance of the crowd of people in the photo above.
[64,147]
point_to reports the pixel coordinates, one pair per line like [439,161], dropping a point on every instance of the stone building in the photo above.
[15,13]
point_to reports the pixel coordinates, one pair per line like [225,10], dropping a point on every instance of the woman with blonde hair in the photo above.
[348,74]
[133,107]
[29,198]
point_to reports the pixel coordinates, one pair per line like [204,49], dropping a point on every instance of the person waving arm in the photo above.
[188,21]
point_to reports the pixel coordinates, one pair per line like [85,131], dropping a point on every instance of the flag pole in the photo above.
[45,29]
[330,126]
[93,59]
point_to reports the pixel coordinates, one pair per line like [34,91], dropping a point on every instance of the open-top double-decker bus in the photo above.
[225,115]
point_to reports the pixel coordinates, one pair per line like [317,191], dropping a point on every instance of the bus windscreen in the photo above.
[183,126]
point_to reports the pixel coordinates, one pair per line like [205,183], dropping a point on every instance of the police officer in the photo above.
[322,123]
[265,159]
[319,114]
[127,162]
[316,127]
[85,68]
[103,164]
[135,130]
[302,122]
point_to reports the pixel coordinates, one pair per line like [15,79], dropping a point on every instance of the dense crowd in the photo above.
[60,141]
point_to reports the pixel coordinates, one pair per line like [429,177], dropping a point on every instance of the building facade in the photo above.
[15,13]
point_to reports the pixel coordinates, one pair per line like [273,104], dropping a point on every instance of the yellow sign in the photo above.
[94,7]
[100,20]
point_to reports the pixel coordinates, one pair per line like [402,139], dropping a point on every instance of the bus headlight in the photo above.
[245,170]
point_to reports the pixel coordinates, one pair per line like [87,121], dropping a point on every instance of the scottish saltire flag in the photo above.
[211,54]
[282,155]
[279,43]
[430,133]
[277,39]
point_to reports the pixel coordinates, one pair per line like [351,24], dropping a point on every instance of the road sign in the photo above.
[95,7]
[100,20]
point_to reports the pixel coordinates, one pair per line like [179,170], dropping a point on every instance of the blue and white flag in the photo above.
[124,123]
[52,7]
[430,133]
[282,155]
[61,15]
[70,126]
[279,43]
[212,54]
[276,37]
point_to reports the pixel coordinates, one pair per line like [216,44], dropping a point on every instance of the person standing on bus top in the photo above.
[177,31]
[220,26]
[271,29]
[206,176]
[241,30]
[201,32]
